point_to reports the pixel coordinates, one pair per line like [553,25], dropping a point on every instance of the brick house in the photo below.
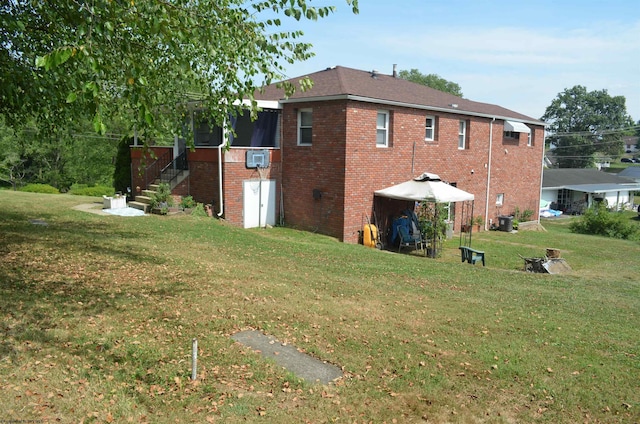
[356,132]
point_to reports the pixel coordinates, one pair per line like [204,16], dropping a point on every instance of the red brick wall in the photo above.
[320,166]
[348,166]
[235,172]
[203,181]
[516,172]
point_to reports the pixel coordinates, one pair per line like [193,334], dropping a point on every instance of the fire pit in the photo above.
[552,263]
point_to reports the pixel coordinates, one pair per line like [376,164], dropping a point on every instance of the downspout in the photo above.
[544,144]
[220,146]
[486,207]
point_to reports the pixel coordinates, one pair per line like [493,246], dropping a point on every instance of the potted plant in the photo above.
[433,224]
[162,199]
[117,201]
[477,222]
[187,204]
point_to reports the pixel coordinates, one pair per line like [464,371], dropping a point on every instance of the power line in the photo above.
[579,146]
[594,134]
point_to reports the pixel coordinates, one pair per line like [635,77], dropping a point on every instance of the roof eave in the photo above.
[590,188]
[407,105]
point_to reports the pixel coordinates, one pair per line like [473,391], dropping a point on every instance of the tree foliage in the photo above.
[57,158]
[431,80]
[11,165]
[122,167]
[142,60]
[583,123]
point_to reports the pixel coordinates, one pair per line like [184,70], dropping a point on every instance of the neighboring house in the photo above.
[630,144]
[356,132]
[602,162]
[632,172]
[573,190]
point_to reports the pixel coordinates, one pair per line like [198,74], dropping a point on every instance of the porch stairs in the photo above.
[143,201]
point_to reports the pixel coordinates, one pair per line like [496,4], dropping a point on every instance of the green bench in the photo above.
[471,255]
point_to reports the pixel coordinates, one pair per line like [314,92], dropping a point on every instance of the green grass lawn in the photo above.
[98,313]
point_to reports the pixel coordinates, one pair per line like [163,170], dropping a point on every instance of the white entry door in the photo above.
[259,203]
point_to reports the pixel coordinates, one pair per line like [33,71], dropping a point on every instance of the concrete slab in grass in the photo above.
[308,368]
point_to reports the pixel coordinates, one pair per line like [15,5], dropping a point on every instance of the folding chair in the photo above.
[407,239]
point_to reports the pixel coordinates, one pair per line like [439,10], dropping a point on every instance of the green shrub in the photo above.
[84,190]
[187,202]
[523,216]
[198,210]
[162,198]
[122,169]
[40,188]
[597,220]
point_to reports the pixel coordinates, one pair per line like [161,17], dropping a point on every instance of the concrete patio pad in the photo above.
[310,369]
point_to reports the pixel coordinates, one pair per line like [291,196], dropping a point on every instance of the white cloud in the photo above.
[521,68]
[524,69]
[517,46]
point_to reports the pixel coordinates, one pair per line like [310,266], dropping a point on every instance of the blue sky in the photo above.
[517,54]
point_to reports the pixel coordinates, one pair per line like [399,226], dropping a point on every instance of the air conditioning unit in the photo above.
[257,158]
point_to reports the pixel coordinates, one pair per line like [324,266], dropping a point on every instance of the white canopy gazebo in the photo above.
[428,188]
[425,188]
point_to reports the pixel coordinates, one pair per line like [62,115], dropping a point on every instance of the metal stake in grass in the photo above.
[194,359]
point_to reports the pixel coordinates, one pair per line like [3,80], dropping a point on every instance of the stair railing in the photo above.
[171,171]
[154,171]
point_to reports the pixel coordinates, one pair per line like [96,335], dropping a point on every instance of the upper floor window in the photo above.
[305,121]
[513,130]
[382,129]
[462,135]
[430,128]
[512,135]
[530,139]
[205,131]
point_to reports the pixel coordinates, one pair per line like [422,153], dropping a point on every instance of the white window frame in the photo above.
[431,128]
[500,199]
[383,130]
[304,127]
[530,139]
[462,135]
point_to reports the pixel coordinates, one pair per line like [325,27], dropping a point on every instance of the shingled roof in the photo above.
[347,83]
[564,177]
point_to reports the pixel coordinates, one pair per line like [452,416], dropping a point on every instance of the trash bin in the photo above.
[505,223]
